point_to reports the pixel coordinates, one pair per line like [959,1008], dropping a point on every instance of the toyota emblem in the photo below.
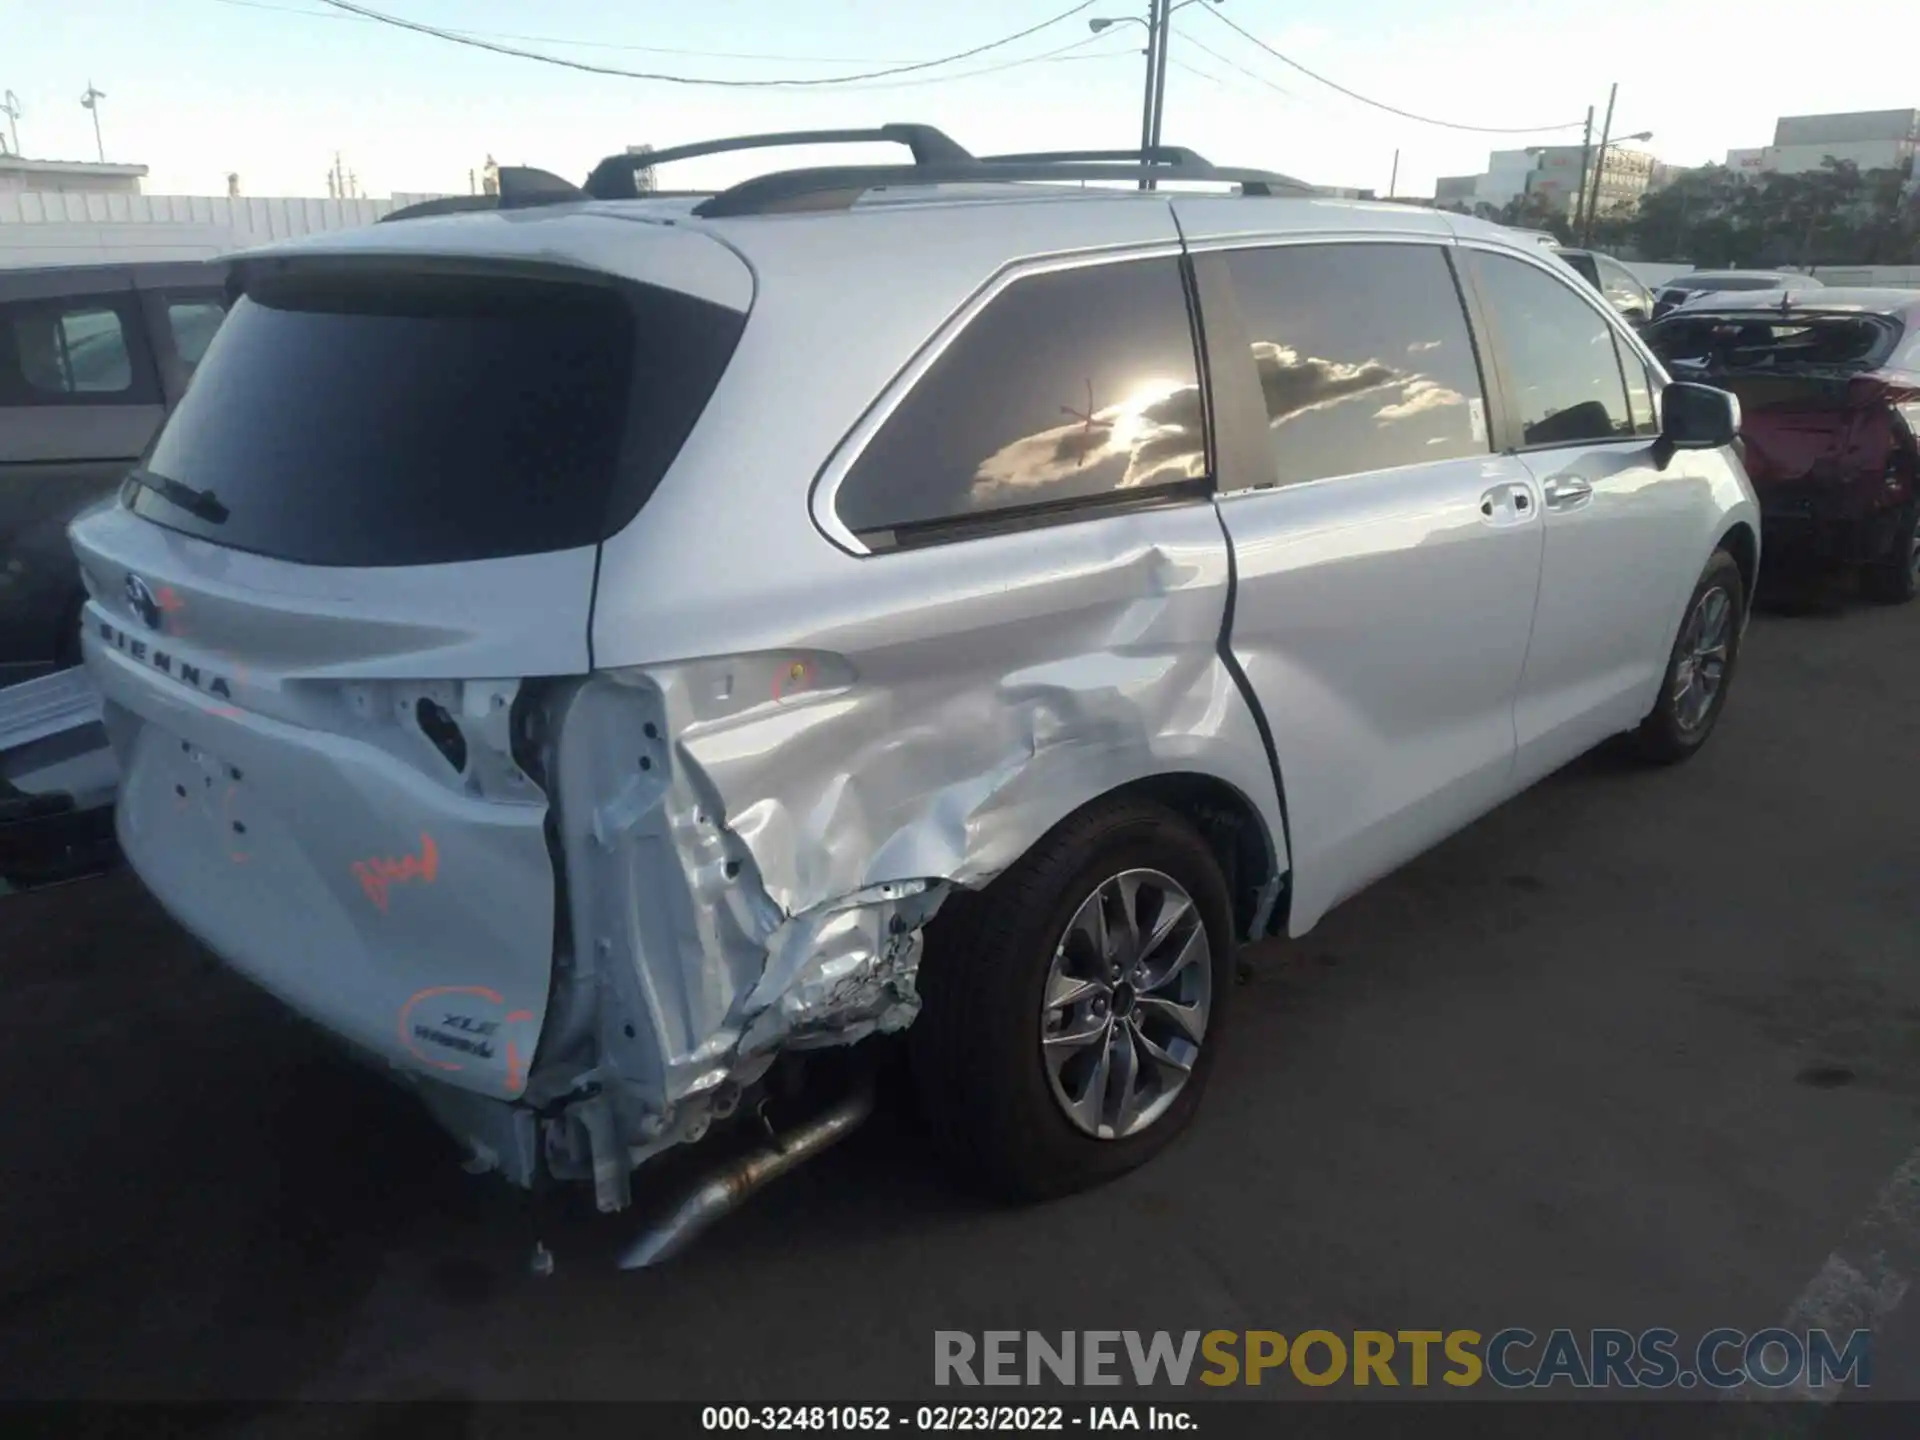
[143,602]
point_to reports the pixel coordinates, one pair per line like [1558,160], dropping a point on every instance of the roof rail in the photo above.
[613,177]
[838,187]
[444,205]
[1152,155]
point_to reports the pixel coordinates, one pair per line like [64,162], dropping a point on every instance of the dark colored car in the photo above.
[1683,288]
[1624,290]
[91,360]
[1829,387]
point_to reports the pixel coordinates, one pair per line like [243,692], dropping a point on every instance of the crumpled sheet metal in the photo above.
[754,842]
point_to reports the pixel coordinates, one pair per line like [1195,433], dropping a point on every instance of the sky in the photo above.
[271,89]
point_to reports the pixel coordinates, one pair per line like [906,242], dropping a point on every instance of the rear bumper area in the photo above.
[390,905]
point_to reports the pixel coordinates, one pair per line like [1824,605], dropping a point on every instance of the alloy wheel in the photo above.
[1704,644]
[1126,1004]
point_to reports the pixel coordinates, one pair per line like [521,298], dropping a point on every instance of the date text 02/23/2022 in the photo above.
[938,1419]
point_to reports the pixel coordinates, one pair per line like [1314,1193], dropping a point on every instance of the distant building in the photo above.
[1552,172]
[1871,139]
[1347,192]
[68,177]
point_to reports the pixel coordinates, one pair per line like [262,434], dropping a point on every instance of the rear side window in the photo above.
[1564,385]
[1363,356]
[76,352]
[354,418]
[1072,388]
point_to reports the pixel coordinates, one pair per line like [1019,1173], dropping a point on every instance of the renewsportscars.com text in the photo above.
[1511,1359]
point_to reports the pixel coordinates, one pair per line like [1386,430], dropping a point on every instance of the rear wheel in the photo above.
[1894,579]
[1700,668]
[1073,1009]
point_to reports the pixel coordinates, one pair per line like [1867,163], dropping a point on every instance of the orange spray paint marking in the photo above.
[516,1075]
[379,874]
[521,1015]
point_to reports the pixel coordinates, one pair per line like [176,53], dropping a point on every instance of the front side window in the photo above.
[1646,420]
[1621,286]
[1363,355]
[1070,388]
[66,352]
[1564,385]
[193,323]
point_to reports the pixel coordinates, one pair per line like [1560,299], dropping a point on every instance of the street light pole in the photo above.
[92,101]
[1158,24]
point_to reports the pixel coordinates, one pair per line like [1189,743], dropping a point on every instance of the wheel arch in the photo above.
[1743,545]
[1234,830]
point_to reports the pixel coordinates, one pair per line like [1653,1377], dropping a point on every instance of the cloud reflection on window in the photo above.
[1296,385]
[1152,437]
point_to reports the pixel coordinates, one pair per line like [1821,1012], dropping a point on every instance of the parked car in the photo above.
[1683,288]
[91,358]
[1624,290]
[592,667]
[1829,385]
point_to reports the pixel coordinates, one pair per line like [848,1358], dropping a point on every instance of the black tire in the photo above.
[976,1048]
[1894,579]
[1664,737]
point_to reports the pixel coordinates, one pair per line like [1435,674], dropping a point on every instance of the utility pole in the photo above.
[1154,7]
[11,109]
[91,100]
[1599,167]
[1160,72]
[1393,184]
[1586,155]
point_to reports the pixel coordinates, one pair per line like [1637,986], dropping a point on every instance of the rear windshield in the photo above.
[1740,343]
[385,419]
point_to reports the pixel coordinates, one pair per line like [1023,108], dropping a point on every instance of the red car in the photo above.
[1829,387]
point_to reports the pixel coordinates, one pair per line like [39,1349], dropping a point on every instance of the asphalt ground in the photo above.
[1639,1049]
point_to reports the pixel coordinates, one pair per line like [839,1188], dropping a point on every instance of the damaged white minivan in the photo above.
[591,651]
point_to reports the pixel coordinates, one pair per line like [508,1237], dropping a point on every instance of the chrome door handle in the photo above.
[1563,492]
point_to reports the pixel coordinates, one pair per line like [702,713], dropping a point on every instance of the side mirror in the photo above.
[1696,417]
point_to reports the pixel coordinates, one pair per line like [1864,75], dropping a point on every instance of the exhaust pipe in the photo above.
[728,1188]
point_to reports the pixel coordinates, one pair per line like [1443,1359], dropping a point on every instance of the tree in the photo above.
[1836,215]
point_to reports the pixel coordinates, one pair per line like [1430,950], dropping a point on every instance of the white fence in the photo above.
[39,228]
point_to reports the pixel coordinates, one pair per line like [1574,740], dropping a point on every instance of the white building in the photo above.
[68,177]
[39,228]
[1871,139]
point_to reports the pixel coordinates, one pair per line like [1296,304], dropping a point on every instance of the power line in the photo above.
[1047,57]
[455,37]
[1228,60]
[584,44]
[1381,104]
